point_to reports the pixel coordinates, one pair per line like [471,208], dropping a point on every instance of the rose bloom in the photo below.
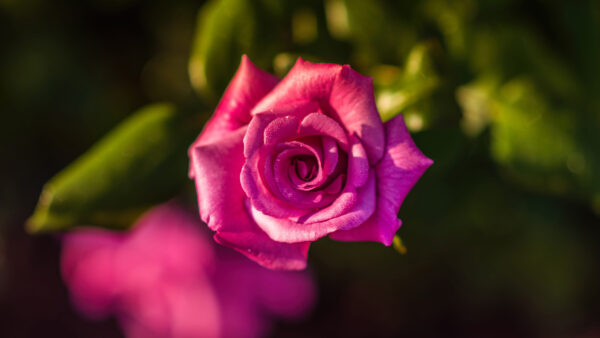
[284,163]
[163,278]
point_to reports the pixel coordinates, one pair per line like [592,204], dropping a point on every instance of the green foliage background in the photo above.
[504,95]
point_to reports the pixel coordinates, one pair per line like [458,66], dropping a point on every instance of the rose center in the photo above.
[306,167]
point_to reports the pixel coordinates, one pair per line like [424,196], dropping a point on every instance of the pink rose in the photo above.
[284,163]
[164,279]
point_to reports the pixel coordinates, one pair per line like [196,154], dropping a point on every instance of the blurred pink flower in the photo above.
[163,278]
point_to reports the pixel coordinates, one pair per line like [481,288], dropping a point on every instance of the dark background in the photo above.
[492,252]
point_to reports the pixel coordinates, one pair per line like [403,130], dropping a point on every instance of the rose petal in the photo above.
[289,231]
[341,92]
[248,86]
[358,164]
[216,168]
[280,130]
[256,137]
[336,185]
[353,99]
[265,199]
[294,190]
[399,170]
[296,148]
[256,178]
[358,173]
[222,205]
[330,155]
[256,245]
[305,82]
[322,125]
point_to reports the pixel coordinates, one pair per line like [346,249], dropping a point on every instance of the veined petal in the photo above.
[341,92]
[216,167]
[290,231]
[248,86]
[353,99]
[399,170]
[256,245]
[221,202]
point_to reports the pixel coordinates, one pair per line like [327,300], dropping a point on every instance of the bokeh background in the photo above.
[501,232]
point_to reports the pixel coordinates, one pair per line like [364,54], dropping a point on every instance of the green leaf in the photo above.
[226,30]
[138,164]
[416,82]
[544,144]
[380,30]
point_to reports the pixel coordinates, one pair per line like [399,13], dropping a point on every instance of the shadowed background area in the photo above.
[501,232]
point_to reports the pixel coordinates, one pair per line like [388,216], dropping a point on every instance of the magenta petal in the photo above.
[257,136]
[358,164]
[335,186]
[323,125]
[87,264]
[353,99]
[222,206]
[255,186]
[257,246]
[358,208]
[338,88]
[265,199]
[216,167]
[399,170]
[248,86]
[280,130]
[330,155]
[181,249]
[359,173]
[171,309]
[291,188]
[305,82]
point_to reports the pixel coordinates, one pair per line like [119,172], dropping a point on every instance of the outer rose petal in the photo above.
[216,167]
[399,170]
[348,94]
[256,245]
[248,86]
[221,201]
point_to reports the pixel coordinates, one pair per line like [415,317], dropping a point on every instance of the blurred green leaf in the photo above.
[541,143]
[379,29]
[453,19]
[514,50]
[397,90]
[226,30]
[474,99]
[140,163]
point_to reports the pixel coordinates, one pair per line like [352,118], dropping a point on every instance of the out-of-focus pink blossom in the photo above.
[163,278]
